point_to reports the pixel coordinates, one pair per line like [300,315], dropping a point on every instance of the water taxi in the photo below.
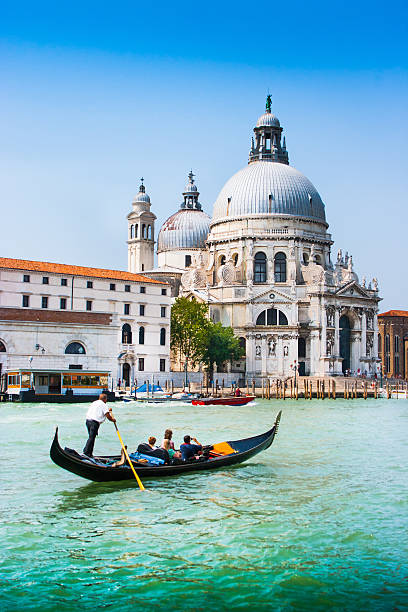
[25,385]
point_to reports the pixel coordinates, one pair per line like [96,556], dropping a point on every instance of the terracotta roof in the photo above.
[56,268]
[394,313]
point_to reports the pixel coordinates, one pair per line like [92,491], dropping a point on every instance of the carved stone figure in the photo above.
[330,311]
[257,351]
[329,343]
[363,282]
[271,347]
[375,284]
[369,345]
[285,351]
[339,257]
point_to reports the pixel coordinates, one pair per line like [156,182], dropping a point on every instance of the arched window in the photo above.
[305,259]
[302,347]
[149,232]
[222,260]
[260,268]
[235,258]
[379,343]
[242,344]
[75,348]
[272,316]
[136,230]
[126,334]
[131,231]
[387,353]
[2,347]
[280,268]
[141,335]
[163,336]
[143,231]
[396,344]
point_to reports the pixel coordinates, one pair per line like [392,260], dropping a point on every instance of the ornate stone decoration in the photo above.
[271,346]
[370,318]
[329,342]
[258,351]
[330,312]
[369,344]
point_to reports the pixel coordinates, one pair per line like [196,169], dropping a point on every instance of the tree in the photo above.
[189,326]
[220,345]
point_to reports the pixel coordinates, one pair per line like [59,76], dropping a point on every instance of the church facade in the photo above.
[263,264]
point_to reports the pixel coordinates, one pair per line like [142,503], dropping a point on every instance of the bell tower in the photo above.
[141,233]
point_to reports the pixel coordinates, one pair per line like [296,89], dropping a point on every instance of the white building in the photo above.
[263,264]
[76,317]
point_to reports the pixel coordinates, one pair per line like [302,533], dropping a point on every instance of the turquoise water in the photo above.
[318,521]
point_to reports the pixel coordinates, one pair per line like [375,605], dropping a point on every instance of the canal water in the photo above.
[319,521]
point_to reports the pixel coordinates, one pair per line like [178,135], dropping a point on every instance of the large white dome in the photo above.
[265,187]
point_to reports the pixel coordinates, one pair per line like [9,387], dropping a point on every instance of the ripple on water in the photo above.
[316,521]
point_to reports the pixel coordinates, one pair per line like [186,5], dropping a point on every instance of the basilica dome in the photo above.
[186,229]
[189,227]
[265,187]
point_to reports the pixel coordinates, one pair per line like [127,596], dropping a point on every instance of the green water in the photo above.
[318,521]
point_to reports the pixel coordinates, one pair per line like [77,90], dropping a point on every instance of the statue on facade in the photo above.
[257,351]
[329,343]
[271,347]
[285,351]
[330,312]
[363,282]
[375,284]
[339,257]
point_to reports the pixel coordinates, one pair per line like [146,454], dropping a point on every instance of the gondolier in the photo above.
[98,411]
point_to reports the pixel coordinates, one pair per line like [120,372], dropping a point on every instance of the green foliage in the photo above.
[189,325]
[220,345]
[197,338]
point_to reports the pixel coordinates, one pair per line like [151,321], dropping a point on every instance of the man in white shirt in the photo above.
[98,411]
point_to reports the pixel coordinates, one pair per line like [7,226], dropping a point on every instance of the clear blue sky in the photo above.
[95,95]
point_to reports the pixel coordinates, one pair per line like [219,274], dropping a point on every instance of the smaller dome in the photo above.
[142,197]
[190,188]
[267,120]
[186,229]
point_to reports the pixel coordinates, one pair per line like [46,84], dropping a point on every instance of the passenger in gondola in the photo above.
[168,445]
[150,448]
[188,450]
[238,392]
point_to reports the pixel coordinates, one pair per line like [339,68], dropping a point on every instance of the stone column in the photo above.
[264,351]
[336,348]
[364,334]
[375,343]
[250,350]
[279,354]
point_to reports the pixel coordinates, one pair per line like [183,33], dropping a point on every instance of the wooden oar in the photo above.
[139,482]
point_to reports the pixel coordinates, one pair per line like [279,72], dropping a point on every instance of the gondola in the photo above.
[99,471]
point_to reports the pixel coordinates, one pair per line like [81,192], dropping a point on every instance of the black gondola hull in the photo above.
[246,449]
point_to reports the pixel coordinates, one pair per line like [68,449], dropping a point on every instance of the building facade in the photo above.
[73,317]
[393,343]
[263,265]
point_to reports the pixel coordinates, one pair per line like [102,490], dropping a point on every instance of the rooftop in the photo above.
[56,268]
[394,313]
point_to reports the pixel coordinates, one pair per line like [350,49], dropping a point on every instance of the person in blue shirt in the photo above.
[188,450]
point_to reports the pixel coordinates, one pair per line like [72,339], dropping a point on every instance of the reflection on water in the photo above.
[315,522]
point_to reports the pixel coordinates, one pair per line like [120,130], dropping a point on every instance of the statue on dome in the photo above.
[268,107]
